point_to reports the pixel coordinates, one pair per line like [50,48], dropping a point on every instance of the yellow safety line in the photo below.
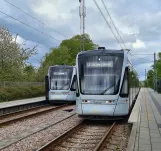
[147,111]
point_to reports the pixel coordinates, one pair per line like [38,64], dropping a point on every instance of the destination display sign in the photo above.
[99,64]
[60,73]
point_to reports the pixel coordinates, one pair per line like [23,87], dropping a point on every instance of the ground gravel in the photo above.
[119,138]
[39,139]
[25,125]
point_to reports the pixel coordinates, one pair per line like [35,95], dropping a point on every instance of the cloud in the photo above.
[138,44]
[20,40]
[139,18]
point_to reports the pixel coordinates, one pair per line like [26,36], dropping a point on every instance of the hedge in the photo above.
[16,93]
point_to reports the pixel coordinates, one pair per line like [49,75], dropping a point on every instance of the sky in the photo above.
[138,23]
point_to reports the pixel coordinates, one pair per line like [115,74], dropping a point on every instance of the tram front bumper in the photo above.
[96,109]
[102,110]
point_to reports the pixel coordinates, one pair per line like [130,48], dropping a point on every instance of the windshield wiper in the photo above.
[103,92]
[64,85]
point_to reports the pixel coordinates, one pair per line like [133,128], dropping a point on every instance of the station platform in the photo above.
[12,106]
[146,119]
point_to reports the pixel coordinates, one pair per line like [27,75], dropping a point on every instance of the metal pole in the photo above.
[145,79]
[156,79]
[82,14]
[154,72]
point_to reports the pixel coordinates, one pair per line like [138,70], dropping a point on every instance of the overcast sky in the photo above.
[138,23]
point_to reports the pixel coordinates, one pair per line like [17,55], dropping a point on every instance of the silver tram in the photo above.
[107,85]
[61,84]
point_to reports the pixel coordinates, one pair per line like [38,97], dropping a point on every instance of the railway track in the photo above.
[34,132]
[21,115]
[82,137]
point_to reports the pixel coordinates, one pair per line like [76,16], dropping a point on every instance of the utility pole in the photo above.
[145,79]
[145,74]
[155,85]
[82,14]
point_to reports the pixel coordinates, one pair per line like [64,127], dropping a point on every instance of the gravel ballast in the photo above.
[25,125]
[118,139]
[37,140]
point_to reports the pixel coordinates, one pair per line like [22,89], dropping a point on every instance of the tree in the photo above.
[158,66]
[65,54]
[150,79]
[12,56]
[74,45]
[134,80]
[150,74]
[29,73]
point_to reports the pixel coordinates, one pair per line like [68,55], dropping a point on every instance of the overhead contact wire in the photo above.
[29,26]
[34,18]
[113,23]
[107,23]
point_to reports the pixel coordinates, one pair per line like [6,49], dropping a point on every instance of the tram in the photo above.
[60,84]
[107,84]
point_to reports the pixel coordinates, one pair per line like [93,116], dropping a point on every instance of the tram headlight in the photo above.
[110,101]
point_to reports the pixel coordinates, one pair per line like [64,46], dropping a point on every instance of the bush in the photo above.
[16,93]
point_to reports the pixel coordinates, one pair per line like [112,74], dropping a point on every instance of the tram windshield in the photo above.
[60,78]
[100,75]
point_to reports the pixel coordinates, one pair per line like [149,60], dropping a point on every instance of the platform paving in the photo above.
[146,119]
[20,102]
[13,106]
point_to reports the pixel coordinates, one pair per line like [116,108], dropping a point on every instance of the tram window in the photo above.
[125,85]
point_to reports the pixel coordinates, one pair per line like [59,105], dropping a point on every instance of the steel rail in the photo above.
[53,143]
[57,140]
[30,115]
[106,136]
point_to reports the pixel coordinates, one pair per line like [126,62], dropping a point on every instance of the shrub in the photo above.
[15,93]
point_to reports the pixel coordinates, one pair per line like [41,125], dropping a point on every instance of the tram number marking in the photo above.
[97,102]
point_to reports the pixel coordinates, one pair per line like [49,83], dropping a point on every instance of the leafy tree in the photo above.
[29,73]
[150,74]
[12,56]
[158,66]
[150,79]
[65,54]
[134,81]
[74,46]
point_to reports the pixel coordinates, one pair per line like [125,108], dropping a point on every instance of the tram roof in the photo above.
[61,66]
[101,51]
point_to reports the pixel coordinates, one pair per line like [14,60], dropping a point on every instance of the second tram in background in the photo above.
[107,84]
[61,84]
